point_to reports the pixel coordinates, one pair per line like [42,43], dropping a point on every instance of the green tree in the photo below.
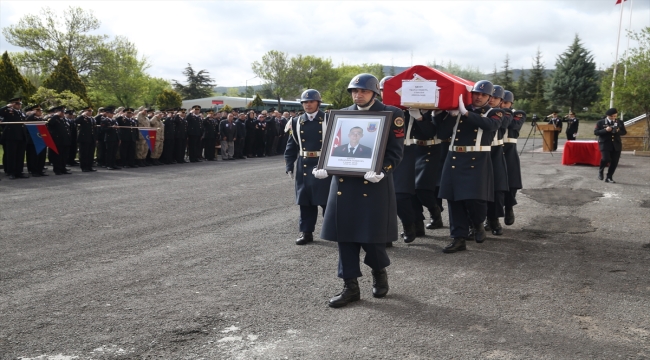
[337,94]
[49,97]
[536,86]
[575,81]
[506,75]
[199,84]
[65,77]
[153,87]
[13,83]
[520,89]
[276,70]
[233,91]
[257,102]
[168,99]
[51,36]
[495,78]
[311,72]
[466,72]
[122,77]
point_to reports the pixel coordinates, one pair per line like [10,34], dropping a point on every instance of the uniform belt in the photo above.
[312,154]
[428,142]
[408,142]
[497,142]
[463,149]
[446,140]
[511,141]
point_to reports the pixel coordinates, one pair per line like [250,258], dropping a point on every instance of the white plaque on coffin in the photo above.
[420,94]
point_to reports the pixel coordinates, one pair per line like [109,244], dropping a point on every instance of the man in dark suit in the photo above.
[86,138]
[361,211]
[353,148]
[557,122]
[194,133]
[101,148]
[180,136]
[58,127]
[72,153]
[111,138]
[572,126]
[609,131]
[240,123]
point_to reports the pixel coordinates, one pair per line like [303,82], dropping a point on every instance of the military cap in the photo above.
[32,107]
[87,108]
[69,112]
[16,99]
[109,109]
[182,110]
[209,112]
[571,112]
[100,109]
[128,109]
[554,111]
[196,107]
[54,109]
[150,110]
[611,112]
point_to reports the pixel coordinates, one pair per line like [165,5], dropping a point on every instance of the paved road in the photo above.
[197,261]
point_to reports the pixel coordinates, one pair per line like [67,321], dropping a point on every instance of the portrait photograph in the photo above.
[354,142]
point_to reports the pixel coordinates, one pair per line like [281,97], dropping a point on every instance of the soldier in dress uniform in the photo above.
[512,157]
[260,135]
[209,141]
[14,139]
[72,155]
[467,181]
[58,127]
[303,149]
[101,148]
[361,212]
[194,133]
[167,156]
[557,122]
[35,162]
[111,138]
[156,123]
[572,126]
[609,131]
[128,138]
[495,208]
[180,136]
[249,147]
[141,147]
[240,123]
[404,180]
[86,138]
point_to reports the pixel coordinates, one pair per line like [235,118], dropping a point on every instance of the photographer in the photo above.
[609,131]
[572,126]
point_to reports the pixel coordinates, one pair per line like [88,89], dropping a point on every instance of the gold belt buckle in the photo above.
[311,153]
[460,149]
[420,142]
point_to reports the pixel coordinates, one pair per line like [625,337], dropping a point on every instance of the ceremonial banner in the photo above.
[449,87]
[41,137]
[150,137]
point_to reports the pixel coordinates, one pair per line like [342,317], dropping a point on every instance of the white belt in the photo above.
[310,153]
[463,149]
[511,141]
[408,142]
[497,142]
[428,142]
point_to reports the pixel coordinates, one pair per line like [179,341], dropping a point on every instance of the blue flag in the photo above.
[34,132]
[150,137]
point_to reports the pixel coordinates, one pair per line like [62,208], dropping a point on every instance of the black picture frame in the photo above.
[369,156]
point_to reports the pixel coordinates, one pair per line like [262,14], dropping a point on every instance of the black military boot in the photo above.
[510,216]
[610,180]
[409,233]
[379,283]
[436,219]
[457,245]
[419,228]
[389,244]
[305,238]
[600,174]
[479,233]
[496,226]
[349,294]
[486,225]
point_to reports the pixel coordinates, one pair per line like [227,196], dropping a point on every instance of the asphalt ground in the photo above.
[197,261]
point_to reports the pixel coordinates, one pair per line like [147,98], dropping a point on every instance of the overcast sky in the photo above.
[225,37]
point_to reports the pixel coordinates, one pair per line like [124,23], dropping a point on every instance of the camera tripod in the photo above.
[533,131]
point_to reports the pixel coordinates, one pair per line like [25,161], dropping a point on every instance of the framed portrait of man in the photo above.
[355,142]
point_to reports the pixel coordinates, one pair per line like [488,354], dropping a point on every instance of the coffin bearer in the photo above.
[86,138]
[303,150]
[467,181]
[609,131]
[361,211]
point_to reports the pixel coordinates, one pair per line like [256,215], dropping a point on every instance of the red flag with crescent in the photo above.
[337,140]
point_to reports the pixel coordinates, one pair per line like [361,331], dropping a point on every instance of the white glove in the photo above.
[373,177]
[415,114]
[461,105]
[453,112]
[290,173]
[319,174]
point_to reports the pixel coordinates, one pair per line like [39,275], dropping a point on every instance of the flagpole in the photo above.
[627,50]
[618,40]
[23,122]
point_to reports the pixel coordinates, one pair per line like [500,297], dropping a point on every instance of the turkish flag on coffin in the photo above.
[451,87]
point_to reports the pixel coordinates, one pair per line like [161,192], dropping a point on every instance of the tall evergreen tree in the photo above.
[495,78]
[13,83]
[65,77]
[506,78]
[520,89]
[575,81]
[199,84]
[536,85]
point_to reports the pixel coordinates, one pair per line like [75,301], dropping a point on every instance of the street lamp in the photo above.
[246,91]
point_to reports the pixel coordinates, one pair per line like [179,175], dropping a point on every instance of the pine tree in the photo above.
[520,90]
[257,101]
[65,77]
[536,85]
[13,83]
[495,78]
[575,81]
[506,78]
[168,99]
[199,84]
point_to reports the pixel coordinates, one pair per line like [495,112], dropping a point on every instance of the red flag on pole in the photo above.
[337,140]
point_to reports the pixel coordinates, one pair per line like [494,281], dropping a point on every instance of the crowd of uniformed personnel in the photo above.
[110,138]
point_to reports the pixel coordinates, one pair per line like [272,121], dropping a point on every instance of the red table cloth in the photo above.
[581,152]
